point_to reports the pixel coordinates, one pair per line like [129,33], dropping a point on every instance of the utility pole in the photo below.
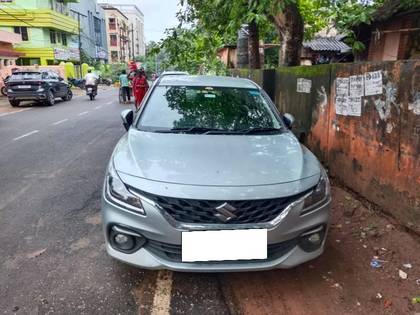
[132,39]
[78,26]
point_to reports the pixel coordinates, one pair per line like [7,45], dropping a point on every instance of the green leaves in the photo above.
[192,49]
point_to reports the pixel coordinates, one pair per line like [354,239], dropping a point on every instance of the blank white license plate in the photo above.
[24,86]
[89,89]
[224,245]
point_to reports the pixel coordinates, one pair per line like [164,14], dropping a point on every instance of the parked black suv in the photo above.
[42,86]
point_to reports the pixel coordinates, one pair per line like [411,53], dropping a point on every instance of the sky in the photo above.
[158,15]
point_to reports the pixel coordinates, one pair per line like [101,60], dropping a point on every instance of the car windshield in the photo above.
[191,109]
[26,76]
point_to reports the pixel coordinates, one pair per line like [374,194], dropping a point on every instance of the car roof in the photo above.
[207,80]
[31,71]
[174,73]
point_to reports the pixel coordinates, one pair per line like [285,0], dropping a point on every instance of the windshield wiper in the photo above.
[259,130]
[199,130]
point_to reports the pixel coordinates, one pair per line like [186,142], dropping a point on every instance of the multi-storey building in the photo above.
[117,27]
[136,27]
[93,40]
[47,30]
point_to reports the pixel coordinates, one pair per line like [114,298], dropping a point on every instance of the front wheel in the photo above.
[68,96]
[4,90]
[14,103]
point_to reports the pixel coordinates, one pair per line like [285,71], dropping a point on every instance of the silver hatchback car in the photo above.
[209,177]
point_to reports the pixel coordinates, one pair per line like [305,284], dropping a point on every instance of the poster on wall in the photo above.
[354,106]
[342,86]
[304,85]
[357,88]
[373,83]
[341,104]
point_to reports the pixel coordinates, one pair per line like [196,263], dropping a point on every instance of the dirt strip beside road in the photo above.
[342,281]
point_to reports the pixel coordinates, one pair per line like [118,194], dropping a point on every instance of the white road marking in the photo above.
[109,103]
[162,298]
[26,135]
[60,122]
[98,107]
[18,111]
[83,113]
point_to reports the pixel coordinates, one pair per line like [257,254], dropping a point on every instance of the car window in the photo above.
[221,108]
[53,76]
[26,76]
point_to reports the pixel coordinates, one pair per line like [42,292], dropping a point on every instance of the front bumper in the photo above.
[156,228]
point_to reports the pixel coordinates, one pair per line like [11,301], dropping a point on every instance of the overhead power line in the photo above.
[15,17]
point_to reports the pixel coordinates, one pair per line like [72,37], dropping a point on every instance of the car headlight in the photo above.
[318,194]
[117,192]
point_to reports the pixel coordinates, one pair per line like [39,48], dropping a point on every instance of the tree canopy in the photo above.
[205,26]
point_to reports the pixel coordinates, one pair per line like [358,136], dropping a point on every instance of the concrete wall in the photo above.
[372,145]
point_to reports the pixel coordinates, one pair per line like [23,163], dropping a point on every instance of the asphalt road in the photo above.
[52,255]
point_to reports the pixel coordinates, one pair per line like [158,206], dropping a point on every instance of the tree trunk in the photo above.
[242,48]
[254,46]
[289,24]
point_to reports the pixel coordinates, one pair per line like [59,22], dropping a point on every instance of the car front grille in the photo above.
[174,252]
[205,212]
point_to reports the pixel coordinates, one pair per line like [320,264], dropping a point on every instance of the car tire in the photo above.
[50,101]
[14,103]
[68,96]
[4,90]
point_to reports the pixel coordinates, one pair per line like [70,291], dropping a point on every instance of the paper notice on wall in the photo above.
[354,106]
[304,85]
[373,83]
[348,106]
[342,87]
[356,86]
[341,104]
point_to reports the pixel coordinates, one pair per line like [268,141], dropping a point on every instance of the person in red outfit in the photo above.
[140,86]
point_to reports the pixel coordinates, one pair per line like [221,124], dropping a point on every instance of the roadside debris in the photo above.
[415,300]
[37,253]
[407,266]
[375,263]
[402,274]
[387,303]
[378,296]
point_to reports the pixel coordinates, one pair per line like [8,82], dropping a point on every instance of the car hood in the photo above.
[214,160]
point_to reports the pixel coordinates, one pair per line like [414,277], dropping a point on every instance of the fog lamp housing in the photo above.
[313,239]
[125,240]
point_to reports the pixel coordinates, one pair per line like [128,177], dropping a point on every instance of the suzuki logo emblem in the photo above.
[225,212]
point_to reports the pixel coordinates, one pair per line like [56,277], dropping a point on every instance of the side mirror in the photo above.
[127,117]
[289,120]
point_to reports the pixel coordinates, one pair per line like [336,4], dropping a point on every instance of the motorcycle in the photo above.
[92,91]
[107,82]
[4,87]
[80,83]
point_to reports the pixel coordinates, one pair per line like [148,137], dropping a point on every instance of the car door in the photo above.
[63,86]
[52,80]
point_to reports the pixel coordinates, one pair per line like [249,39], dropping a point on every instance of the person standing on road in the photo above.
[140,86]
[125,87]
